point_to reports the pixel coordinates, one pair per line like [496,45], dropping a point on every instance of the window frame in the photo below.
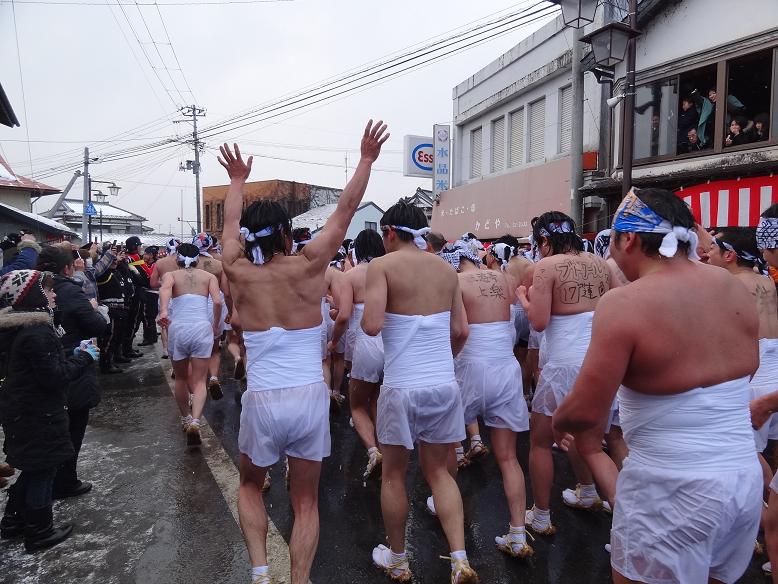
[721,62]
[522,111]
[472,173]
[372,225]
[528,123]
[207,213]
[559,107]
[492,158]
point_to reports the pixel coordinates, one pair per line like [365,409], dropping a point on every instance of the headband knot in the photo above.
[188,261]
[418,235]
[250,237]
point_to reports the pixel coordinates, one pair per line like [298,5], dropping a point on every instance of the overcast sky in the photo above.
[85,82]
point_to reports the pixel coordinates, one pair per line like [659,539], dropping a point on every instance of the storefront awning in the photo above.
[731,203]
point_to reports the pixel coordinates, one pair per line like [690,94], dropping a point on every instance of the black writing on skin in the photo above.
[581,281]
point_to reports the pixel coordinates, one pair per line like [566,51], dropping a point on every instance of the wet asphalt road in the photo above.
[159,514]
[351,522]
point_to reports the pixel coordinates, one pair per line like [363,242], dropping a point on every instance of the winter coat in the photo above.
[80,321]
[89,276]
[25,259]
[32,395]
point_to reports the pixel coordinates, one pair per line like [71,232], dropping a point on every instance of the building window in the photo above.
[681,114]
[517,138]
[371,225]
[565,119]
[207,213]
[537,130]
[498,145]
[475,152]
[219,216]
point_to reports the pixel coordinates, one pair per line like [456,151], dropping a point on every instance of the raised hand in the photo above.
[373,139]
[233,163]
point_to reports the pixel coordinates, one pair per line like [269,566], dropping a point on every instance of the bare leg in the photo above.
[445,492]
[541,463]
[604,470]
[304,495]
[215,361]
[181,369]
[582,473]
[617,448]
[251,510]
[771,533]
[233,345]
[504,445]
[766,474]
[472,429]
[394,499]
[361,394]
[197,384]
[164,340]
[338,371]
[326,365]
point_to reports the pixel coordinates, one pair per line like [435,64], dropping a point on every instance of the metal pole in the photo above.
[84,223]
[197,169]
[101,225]
[576,145]
[629,105]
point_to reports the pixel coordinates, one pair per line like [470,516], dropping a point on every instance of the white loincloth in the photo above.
[325,328]
[765,381]
[490,378]
[286,405]
[367,363]
[420,398]
[190,334]
[688,500]
[566,341]
[350,337]
[223,326]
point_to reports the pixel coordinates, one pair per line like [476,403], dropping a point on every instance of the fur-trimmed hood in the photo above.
[10,318]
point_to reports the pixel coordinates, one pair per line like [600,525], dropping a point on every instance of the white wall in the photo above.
[15,198]
[528,72]
[367,213]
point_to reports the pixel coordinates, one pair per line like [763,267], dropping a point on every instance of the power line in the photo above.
[21,82]
[172,48]
[185,3]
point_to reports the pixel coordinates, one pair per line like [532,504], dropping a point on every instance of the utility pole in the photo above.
[629,105]
[84,219]
[194,112]
[576,138]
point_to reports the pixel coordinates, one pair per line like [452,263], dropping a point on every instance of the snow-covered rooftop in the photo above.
[315,218]
[74,206]
[41,219]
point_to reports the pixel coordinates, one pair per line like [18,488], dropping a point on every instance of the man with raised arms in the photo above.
[190,332]
[367,365]
[688,498]
[286,405]
[413,300]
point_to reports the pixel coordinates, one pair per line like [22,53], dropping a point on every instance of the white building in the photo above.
[368,216]
[703,45]
[513,121]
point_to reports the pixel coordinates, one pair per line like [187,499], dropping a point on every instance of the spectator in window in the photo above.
[692,143]
[761,129]
[688,118]
[736,135]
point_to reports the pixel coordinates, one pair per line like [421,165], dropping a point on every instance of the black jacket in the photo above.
[32,395]
[80,321]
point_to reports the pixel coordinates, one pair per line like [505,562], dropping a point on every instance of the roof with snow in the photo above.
[315,218]
[74,206]
[44,222]
[16,181]
[159,239]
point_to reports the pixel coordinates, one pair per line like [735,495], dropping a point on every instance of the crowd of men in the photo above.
[440,339]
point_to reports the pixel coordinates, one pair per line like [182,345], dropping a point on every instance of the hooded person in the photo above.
[80,320]
[32,404]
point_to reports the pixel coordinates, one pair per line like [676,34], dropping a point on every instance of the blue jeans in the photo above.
[32,489]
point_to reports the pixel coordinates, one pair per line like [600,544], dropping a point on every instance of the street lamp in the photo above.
[609,43]
[577,13]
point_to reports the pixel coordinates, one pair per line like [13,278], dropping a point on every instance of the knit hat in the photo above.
[23,290]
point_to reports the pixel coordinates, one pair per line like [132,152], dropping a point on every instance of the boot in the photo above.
[132,354]
[121,359]
[12,523]
[39,530]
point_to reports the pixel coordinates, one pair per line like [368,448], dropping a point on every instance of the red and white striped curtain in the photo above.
[731,203]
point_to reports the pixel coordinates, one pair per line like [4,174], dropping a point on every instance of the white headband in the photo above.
[187,260]
[498,251]
[256,252]
[418,235]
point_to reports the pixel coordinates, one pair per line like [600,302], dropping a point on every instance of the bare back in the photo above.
[487,295]
[763,291]
[285,292]
[162,267]
[191,281]
[573,282]
[211,265]
[417,282]
[517,267]
[687,327]
[356,278]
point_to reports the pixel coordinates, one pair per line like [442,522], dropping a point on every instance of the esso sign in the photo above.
[418,156]
[423,157]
